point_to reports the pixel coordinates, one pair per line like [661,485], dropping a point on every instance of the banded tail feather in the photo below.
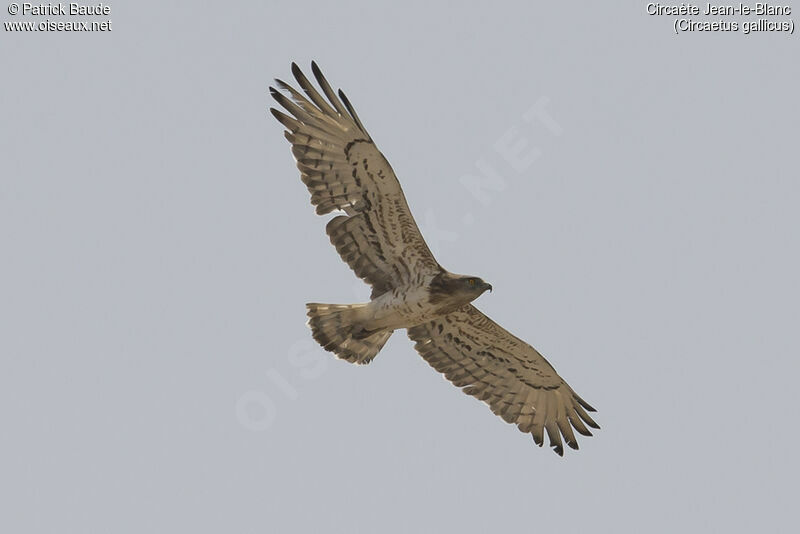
[336,327]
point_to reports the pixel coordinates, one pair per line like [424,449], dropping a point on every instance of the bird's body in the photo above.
[379,239]
[401,307]
[407,306]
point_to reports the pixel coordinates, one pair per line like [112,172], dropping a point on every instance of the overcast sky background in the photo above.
[158,247]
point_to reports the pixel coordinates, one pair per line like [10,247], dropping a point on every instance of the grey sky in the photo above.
[158,248]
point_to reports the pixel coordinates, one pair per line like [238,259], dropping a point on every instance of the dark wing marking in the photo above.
[491,364]
[344,170]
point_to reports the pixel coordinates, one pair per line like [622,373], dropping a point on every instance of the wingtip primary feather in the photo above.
[317,72]
[352,111]
[327,90]
[586,418]
[585,404]
[284,119]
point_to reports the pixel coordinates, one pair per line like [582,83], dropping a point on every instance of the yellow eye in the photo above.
[472,281]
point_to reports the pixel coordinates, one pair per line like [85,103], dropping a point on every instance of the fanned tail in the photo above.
[337,329]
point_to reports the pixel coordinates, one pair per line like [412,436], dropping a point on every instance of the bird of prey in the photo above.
[376,235]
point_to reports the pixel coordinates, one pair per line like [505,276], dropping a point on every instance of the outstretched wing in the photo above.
[344,170]
[517,383]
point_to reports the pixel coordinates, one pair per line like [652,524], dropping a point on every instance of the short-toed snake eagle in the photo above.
[377,237]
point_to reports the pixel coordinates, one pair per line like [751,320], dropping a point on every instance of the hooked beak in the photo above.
[487,286]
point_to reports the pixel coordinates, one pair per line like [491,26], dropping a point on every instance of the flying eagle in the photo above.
[378,238]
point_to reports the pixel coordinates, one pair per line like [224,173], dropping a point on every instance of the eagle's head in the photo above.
[454,290]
